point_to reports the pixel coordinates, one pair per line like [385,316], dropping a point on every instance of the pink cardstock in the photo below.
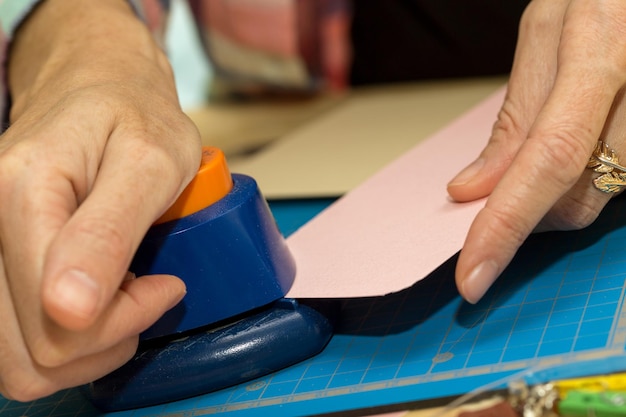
[400,224]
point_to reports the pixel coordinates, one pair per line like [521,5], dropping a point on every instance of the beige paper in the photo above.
[350,141]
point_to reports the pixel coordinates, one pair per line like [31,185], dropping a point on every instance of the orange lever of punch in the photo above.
[212,182]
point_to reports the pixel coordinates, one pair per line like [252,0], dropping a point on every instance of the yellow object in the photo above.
[599,383]
[212,182]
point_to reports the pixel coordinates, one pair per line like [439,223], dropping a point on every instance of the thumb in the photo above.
[86,265]
[89,258]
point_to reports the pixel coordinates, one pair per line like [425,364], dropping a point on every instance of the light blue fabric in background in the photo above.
[192,69]
[12,12]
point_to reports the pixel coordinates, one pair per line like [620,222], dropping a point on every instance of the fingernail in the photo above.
[177,300]
[468,173]
[129,276]
[77,292]
[479,280]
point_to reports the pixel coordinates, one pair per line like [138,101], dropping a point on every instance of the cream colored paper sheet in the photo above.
[349,141]
[399,225]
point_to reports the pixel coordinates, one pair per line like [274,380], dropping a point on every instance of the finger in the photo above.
[582,204]
[36,202]
[134,307]
[531,77]
[21,378]
[48,163]
[578,208]
[547,165]
[42,194]
[90,255]
[27,381]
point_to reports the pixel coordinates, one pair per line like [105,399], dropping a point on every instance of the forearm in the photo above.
[68,44]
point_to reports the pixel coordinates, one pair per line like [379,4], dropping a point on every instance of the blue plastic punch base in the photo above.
[233,324]
[231,256]
[257,344]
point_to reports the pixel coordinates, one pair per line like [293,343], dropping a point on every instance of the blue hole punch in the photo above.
[234,323]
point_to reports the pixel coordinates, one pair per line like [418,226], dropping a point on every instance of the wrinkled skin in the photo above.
[98,148]
[565,92]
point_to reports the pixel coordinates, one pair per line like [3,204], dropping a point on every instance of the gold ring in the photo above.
[605,160]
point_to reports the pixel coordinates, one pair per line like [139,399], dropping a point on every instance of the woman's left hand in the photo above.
[566,91]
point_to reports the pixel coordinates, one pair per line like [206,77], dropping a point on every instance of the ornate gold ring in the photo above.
[604,160]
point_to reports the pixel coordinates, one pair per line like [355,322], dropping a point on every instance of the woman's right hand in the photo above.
[97,149]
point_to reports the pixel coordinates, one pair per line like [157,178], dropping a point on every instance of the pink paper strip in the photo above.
[399,225]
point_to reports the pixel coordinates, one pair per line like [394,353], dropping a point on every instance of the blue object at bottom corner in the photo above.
[257,344]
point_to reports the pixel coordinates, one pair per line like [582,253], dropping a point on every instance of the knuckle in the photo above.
[169,129]
[44,352]
[507,133]
[505,125]
[539,16]
[158,162]
[579,218]
[104,236]
[565,152]
[506,224]
[14,160]
[176,162]
[575,213]
[189,155]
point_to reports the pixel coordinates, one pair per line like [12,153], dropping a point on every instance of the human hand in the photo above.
[565,93]
[97,150]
